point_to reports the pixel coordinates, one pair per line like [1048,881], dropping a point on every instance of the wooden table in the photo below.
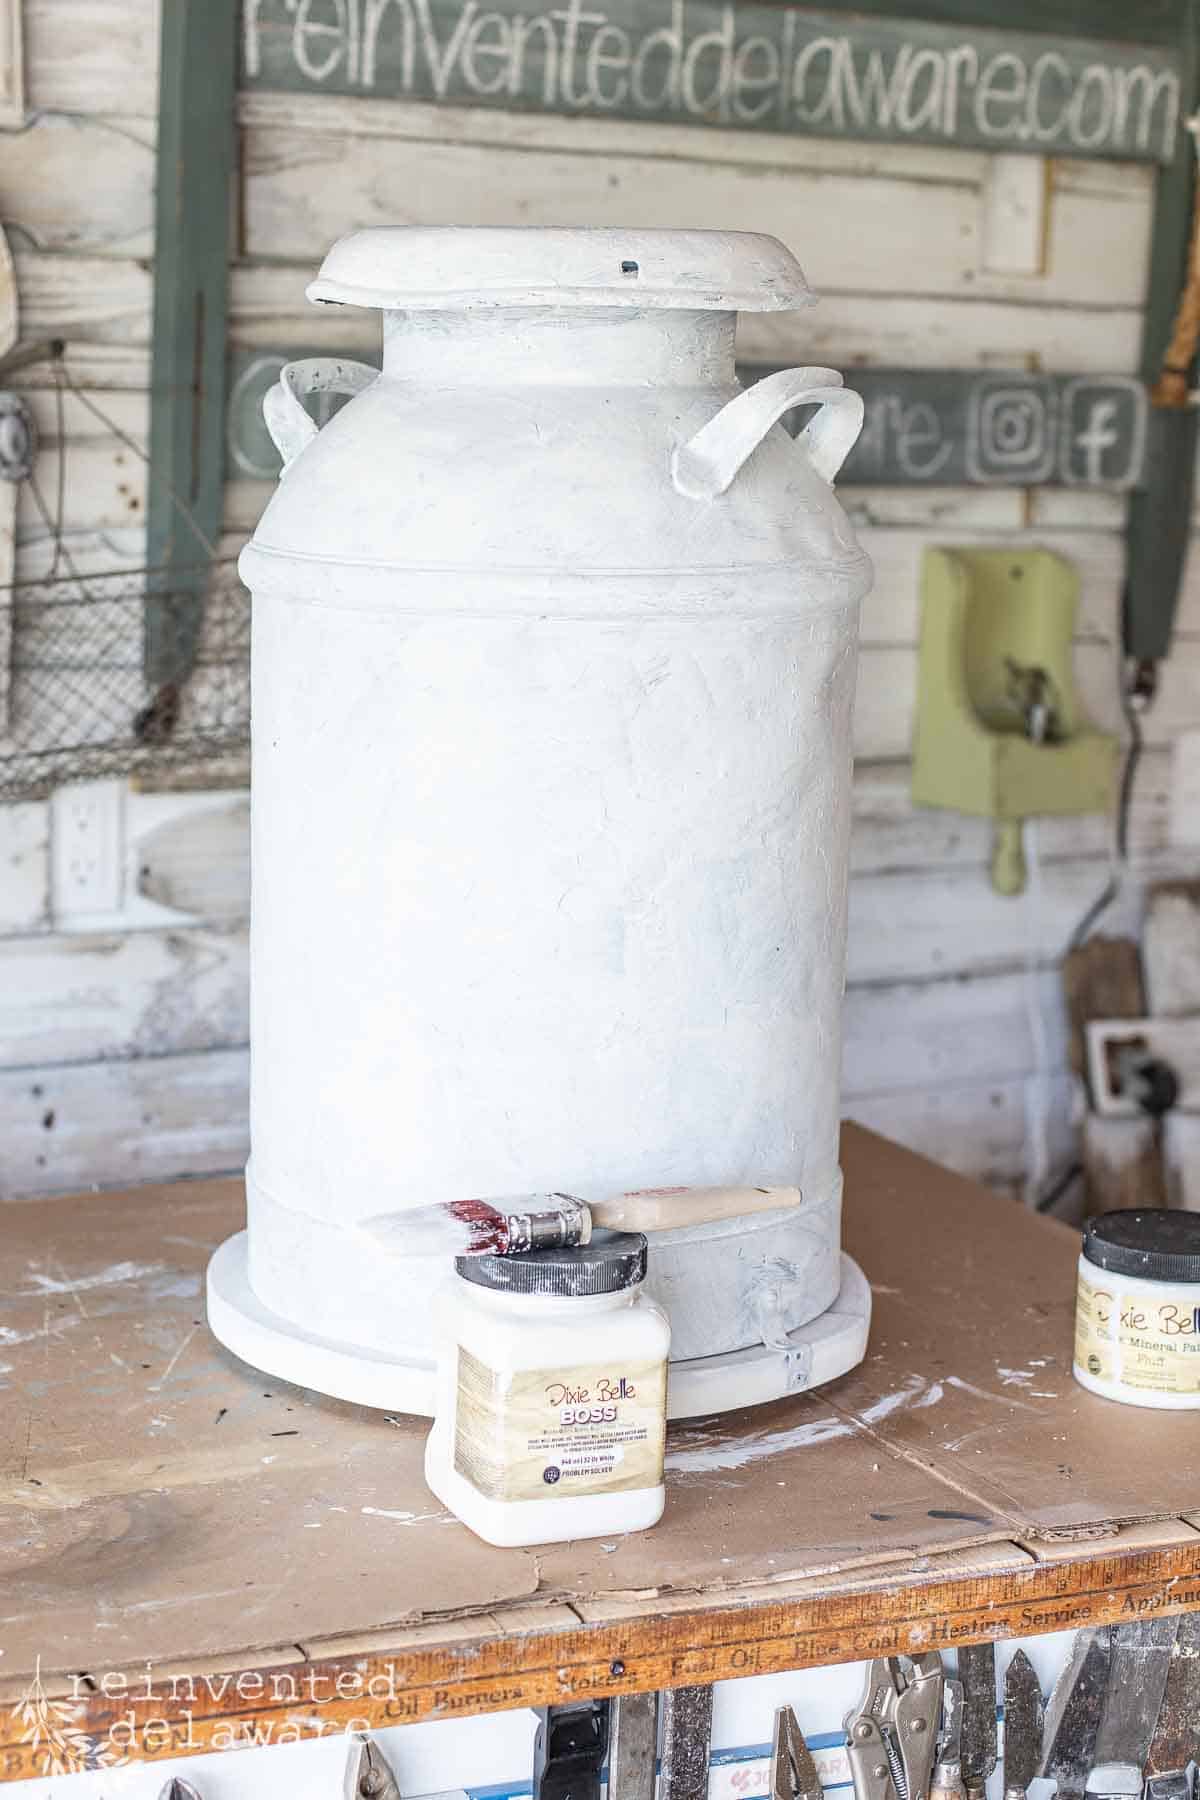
[201,1556]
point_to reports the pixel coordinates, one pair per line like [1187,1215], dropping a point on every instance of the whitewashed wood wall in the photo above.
[123,1026]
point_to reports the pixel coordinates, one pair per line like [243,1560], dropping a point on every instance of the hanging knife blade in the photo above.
[1022,1726]
[633,1746]
[686,1742]
[1073,1716]
[1176,1742]
[977,1672]
[1137,1678]
[947,1782]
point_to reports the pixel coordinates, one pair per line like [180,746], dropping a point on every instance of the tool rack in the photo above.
[171,1518]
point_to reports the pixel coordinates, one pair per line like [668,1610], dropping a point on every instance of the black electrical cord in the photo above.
[1103,901]
[1058,1188]
[1100,905]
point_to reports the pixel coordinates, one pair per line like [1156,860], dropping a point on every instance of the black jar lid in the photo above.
[1152,1243]
[612,1262]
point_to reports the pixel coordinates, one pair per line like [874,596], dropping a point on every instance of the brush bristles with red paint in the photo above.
[505,1227]
[488,1231]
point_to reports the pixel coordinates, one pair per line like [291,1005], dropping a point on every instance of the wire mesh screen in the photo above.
[75,701]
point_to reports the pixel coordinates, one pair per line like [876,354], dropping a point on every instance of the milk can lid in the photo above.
[610,1263]
[409,267]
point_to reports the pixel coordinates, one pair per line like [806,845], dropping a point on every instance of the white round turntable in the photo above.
[813,1353]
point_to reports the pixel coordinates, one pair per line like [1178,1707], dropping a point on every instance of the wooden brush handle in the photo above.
[663,1209]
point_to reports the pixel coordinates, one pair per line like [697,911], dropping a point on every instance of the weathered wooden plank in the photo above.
[149,1119]
[269,312]
[1015,205]
[96,368]
[1171,949]
[43,197]
[949,1032]
[12,65]
[848,329]
[889,833]
[763,68]
[91,552]
[24,867]
[1183,823]
[915,924]
[93,56]
[981,1131]
[73,997]
[103,479]
[322,112]
[9,334]
[1181,1135]
[852,233]
[95,299]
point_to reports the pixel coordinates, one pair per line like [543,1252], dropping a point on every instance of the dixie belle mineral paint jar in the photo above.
[551,1394]
[1137,1321]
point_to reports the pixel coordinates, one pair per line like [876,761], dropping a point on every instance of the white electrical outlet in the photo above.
[87,850]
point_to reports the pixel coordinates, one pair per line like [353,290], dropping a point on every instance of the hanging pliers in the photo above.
[892,1736]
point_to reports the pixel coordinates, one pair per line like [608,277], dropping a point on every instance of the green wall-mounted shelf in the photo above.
[1000,730]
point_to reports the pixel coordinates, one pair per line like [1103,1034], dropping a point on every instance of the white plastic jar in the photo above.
[551,1394]
[1137,1318]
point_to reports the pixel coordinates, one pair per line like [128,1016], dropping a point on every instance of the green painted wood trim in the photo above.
[197,84]
[1160,516]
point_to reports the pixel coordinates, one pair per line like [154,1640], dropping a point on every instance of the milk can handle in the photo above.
[292,429]
[706,465]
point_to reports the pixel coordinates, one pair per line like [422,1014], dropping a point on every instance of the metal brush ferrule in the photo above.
[567,1224]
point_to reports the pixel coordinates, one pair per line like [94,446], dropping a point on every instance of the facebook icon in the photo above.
[1102,432]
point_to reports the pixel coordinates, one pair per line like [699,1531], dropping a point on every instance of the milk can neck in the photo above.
[602,347]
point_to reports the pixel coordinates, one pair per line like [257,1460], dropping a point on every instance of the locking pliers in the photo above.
[892,1736]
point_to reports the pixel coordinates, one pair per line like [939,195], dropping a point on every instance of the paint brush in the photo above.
[510,1227]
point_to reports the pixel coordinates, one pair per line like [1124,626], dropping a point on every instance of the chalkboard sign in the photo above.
[993,429]
[940,427]
[749,65]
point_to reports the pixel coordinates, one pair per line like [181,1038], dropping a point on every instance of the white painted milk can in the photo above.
[553,667]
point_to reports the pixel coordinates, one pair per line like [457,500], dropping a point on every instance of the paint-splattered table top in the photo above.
[164,1507]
